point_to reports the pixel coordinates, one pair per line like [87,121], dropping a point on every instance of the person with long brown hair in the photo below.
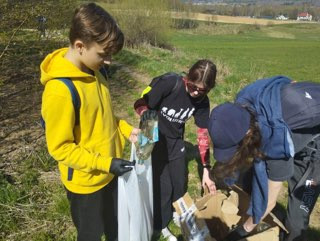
[272,133]
[175,99]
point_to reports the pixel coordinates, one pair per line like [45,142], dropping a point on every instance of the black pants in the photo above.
[169,178]
[95,214]
[304,189]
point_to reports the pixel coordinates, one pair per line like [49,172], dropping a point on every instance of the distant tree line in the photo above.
[260,10]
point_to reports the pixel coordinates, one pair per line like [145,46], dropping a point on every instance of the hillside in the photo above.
[33,204]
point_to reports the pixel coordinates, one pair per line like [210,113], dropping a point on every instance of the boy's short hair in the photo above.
[91,23]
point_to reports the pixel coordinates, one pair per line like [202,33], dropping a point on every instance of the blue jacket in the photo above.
[263,98]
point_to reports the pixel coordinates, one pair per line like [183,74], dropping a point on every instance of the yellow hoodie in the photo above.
[89,147]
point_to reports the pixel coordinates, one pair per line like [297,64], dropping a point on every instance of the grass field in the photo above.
[243,54]
[33,205]
[291,50]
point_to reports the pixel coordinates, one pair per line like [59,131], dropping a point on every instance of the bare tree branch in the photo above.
[12,36]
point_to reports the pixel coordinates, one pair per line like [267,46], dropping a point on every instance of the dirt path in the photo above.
[19,118]
[20,106]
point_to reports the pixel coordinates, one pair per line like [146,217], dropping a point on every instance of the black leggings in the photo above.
[95,214]
[169,179]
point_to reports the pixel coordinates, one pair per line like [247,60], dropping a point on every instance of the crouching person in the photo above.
[273,128]
[86,138]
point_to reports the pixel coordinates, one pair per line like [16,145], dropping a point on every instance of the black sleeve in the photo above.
[280,170]
[201,115]
[160,88]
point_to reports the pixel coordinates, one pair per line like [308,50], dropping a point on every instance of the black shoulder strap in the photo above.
[75,97]
[177,79]
[104,72]
[76,105]
[177,85]
[75,101]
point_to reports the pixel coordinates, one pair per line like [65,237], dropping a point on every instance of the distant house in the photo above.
[281,17]
[305,16]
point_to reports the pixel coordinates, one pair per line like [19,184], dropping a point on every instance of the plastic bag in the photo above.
[147,137]
[135,202]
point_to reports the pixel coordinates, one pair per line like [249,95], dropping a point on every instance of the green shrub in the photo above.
[185,24]
[142,21]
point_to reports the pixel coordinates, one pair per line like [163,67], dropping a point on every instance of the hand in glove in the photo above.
[236,234]
[148,115]
[119,166]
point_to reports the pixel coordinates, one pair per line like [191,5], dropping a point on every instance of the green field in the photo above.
[291,50]
[33,204]
[244,55]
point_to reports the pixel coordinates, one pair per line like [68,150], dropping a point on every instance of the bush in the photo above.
[142,21]
[185,24]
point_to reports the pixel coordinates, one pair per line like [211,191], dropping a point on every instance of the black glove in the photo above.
[236,234]
[148,115]
[119,166]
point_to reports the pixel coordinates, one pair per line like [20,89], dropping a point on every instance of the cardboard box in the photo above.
[211,217]
[193,227]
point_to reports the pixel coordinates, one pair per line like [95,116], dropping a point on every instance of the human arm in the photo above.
[207,182]
[274,188]
[204,150]
[201,117]
[134,135]
[152,96]
[65,140]
[241,231]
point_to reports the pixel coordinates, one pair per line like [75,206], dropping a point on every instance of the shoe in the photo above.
[176,219]
[168,235]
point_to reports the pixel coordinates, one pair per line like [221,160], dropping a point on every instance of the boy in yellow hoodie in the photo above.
[89,152]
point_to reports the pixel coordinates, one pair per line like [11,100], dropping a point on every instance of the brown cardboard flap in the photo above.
[234,198]
[203,202]
[272,234]
[278,222]
[213,216]
[192,225]
[228,207]
[220,212]
[183,204]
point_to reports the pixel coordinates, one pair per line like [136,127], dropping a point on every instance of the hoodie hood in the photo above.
[56,66]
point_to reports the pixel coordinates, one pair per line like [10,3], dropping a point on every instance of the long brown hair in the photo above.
[203,71]
[249,148]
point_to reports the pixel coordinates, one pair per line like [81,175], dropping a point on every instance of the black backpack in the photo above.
[171,75]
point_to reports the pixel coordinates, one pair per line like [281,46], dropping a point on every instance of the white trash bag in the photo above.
[135,201]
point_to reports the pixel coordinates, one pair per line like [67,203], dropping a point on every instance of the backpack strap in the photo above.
[75,98]
[104,72]
[76,105]
[166,75]
[176,86]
